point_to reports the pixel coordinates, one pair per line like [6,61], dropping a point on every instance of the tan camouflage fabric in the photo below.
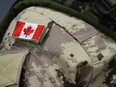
[11,62]
[69,45]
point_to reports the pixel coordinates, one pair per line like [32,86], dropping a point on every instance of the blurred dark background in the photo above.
[4,7]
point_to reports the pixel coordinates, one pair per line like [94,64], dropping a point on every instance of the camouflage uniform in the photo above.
[72,54]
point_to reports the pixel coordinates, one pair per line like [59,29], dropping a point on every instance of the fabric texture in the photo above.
[11,63]
[86,15]
[69,56]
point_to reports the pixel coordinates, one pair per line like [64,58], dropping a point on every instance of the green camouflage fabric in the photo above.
[72,54]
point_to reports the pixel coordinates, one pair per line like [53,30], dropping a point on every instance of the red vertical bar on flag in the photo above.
[38,32]
[18,29]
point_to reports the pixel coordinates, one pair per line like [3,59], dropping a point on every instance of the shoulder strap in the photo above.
[107,10]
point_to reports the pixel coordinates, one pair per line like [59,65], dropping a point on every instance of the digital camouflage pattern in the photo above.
[106,10]
[73,54]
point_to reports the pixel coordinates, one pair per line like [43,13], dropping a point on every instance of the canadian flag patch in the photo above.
[29,31]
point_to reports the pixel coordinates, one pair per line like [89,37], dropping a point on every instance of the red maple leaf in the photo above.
[28,31]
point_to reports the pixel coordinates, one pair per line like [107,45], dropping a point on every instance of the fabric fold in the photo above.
[10,68]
